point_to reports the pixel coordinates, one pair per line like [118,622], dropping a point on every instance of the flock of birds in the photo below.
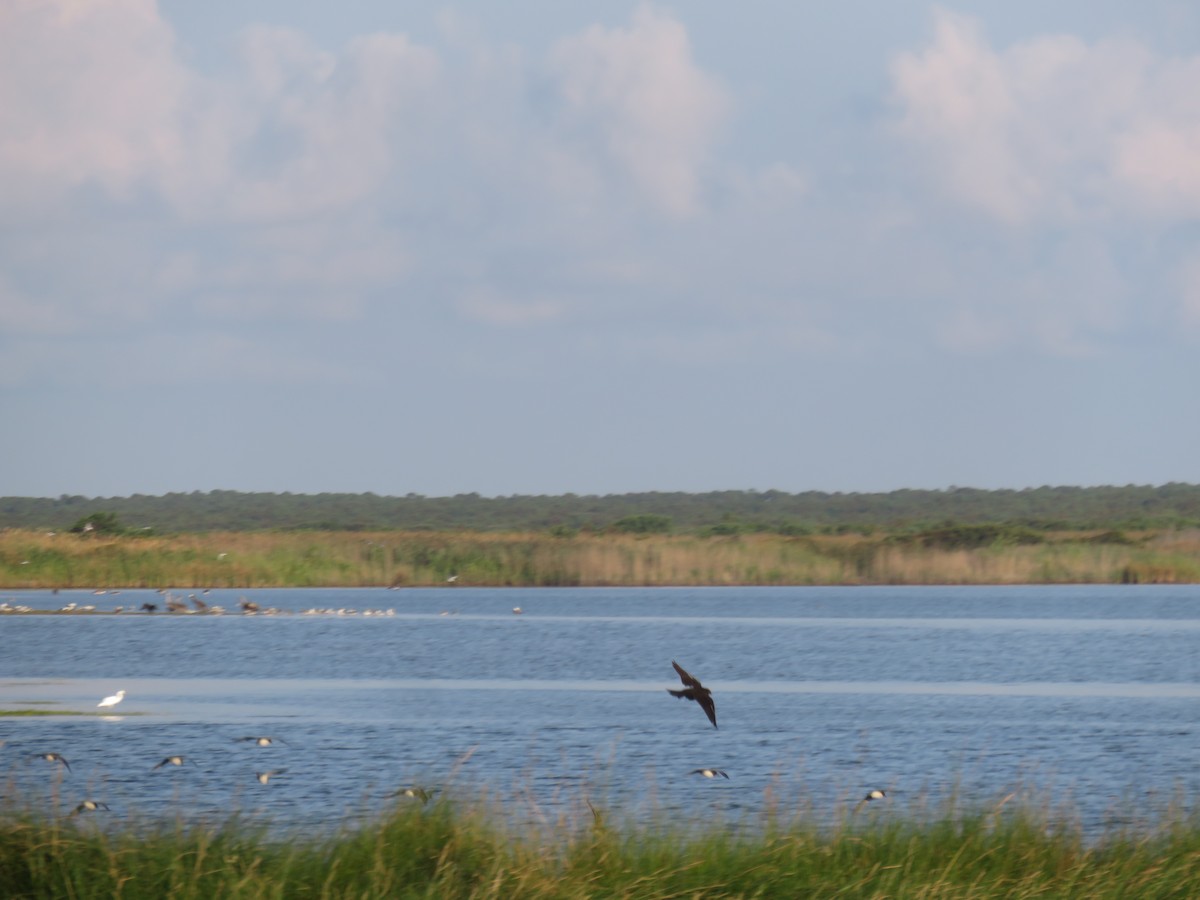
[194,605]
[422,794]
[692,690]
[695,691]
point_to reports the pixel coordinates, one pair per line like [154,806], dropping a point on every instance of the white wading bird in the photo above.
[112,700]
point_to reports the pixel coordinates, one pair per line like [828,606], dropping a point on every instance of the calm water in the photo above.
[1088,694]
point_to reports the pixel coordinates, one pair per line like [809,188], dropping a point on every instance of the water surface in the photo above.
[1090,694]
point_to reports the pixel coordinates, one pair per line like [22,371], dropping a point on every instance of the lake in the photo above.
[1087,696]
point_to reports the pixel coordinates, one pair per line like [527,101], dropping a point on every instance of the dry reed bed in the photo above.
[351,559]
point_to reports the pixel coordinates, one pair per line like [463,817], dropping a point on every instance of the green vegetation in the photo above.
[977,554]
[98,522]
[642,523]
[41,712]
[447,850]
[1043,509]
[958,536]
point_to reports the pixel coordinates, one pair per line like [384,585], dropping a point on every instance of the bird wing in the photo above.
[684,676]
[710,708]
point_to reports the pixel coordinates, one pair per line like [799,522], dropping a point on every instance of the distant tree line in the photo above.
[718,512]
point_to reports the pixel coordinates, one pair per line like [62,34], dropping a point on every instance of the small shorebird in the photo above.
[264,777]
[261,741]
[694,690]
[54,757]
[709,773]
[416,793]
[112,700]
[89,806]
[517,610]
[177,760]
[874,794]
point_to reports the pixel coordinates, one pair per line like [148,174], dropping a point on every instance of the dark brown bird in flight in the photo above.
[54,757]
[872,795]
[89,806]
[176,760]
[694,690]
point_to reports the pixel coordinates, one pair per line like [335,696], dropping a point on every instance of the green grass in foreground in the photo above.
[444,850]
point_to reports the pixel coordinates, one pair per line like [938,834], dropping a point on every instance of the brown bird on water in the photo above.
[694,690]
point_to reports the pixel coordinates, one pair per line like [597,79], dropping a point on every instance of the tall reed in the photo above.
[350,559]
[452,849]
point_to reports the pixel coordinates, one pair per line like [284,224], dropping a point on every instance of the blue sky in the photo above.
[539,248]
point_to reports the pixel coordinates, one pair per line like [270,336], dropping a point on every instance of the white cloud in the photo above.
[639,94]
[1053,127]
[89,93]
[326,131]
[95,94]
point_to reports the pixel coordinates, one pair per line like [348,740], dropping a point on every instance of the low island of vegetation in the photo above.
[962,536]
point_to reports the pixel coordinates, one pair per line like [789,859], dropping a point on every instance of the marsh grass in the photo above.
[43,712]
[359,559]
[453,849]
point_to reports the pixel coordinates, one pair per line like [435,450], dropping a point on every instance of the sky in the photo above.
[538,247]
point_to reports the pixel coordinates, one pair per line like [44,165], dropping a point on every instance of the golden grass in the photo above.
[31,559]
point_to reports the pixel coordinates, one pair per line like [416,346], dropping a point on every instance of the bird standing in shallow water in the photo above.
[112,700]
[694,690]
[709,773]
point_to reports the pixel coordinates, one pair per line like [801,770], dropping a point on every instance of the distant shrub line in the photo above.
[1043,509]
